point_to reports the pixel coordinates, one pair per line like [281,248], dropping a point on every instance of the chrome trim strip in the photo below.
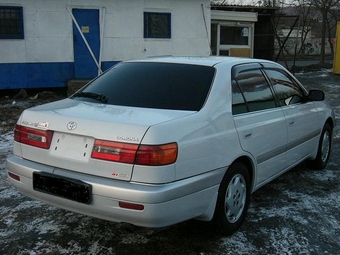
[303,139]
[273,153]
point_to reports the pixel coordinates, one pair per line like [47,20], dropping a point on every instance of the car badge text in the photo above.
[40,124]
[127,138]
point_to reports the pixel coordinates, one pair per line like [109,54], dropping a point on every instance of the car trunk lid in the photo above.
[76,125]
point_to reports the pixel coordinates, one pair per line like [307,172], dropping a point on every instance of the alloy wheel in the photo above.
[235,198]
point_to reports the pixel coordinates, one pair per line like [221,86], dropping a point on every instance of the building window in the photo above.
[232,39]
[234,35]
[11,22]
[157,25]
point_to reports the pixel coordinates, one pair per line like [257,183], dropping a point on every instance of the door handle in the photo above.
[291,122]
[247,135]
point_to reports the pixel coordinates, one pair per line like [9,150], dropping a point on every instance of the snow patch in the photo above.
[6,141]
[134,239]
[238,243]
[287,241]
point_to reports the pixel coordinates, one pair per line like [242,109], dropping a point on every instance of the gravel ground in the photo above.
[296,214]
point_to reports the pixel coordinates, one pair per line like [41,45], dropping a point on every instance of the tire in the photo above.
[324,149]
[233,199]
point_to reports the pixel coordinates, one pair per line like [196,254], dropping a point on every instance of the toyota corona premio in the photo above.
[158,141]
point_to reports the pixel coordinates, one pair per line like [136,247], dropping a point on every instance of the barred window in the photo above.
[11,22]
[157,25]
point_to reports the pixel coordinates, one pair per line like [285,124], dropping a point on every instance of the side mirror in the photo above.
[316,95]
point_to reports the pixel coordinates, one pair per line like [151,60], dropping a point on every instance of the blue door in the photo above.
[84,64]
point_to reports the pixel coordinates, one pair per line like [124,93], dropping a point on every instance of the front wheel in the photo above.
[233,199]
[324,149]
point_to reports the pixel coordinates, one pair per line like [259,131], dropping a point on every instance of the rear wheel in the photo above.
[233,199]
[324,149]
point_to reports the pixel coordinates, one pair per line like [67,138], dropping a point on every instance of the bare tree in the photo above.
[325,7]
[333,17]
[303,14]
[307,21]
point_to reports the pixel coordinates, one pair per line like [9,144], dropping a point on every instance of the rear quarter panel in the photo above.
[207,139]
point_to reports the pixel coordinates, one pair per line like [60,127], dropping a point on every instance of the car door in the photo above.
[301,116]
[259,121]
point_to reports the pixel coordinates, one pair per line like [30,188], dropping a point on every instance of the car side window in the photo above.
[251,92]
[286,89]
[239,104]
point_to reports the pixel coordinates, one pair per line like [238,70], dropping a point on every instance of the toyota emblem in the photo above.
[71,125]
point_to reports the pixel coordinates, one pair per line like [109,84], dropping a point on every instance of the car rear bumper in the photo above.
[163,204]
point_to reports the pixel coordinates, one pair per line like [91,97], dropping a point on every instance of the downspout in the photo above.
[102,26]
[85,41]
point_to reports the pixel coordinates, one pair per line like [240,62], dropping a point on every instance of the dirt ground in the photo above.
[298,213]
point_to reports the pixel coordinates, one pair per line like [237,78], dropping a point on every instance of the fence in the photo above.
[311,47]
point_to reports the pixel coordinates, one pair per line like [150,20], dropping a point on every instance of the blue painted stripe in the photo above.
[35,75]
[39,75]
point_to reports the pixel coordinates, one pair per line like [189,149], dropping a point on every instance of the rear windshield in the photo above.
[152,85]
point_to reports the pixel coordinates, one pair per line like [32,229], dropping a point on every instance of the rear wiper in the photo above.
[99,97]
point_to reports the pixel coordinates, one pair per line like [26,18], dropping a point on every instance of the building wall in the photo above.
[44,58]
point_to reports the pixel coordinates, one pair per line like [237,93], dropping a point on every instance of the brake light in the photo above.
[113,151]
[33,137]
[152,155]
[157,155]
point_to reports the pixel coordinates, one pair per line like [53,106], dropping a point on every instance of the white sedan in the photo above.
[158,141]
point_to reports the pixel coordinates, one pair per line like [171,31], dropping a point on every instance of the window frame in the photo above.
[296,84]
[153,85]
[263,67]
[20,23]
[147,25]
[236,70]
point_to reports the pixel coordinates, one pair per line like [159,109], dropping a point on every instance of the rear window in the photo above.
[153,85]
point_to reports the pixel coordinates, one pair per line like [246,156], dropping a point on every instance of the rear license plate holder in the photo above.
[60,186]
[70,146]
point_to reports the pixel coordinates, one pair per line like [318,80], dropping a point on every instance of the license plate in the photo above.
[68,188]
[72,147]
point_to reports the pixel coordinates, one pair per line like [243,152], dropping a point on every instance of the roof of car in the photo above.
[205,60]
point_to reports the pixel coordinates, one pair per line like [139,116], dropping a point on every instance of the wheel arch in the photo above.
[330,122]
[248,162]
[232,205]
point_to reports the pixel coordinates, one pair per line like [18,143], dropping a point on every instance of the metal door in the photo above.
[85,66]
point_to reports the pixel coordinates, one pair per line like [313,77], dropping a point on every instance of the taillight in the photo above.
[33,137]
[152,155]
[113,151]
[157,155]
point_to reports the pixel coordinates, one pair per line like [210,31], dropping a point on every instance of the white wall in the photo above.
[48,30]
[47,34]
